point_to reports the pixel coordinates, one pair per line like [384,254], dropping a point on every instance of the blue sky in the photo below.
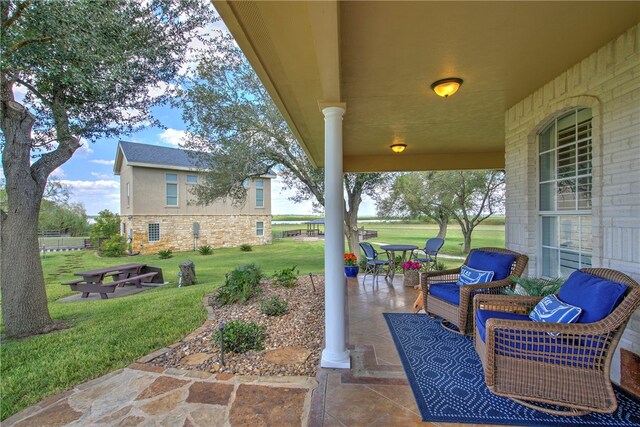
[89,173]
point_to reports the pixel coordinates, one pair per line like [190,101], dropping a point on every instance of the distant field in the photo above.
[418,233]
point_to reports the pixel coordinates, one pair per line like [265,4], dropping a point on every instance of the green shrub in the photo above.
[535,287]
[245,247]
[287,277]
[274,306]
[240,285]
[115,246]
[240,337]
[440,266]
[205,250]
[165,254]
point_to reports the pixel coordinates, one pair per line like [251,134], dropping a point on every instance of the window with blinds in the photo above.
[565,182]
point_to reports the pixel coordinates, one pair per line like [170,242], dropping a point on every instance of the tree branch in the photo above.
[16,14]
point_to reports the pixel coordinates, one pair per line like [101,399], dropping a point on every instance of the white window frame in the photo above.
[169,182]
[260,228]
[584,233]
[154,233]
[192,176]
[259,187]
[128,195]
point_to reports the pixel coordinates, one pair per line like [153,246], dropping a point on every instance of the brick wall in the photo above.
[608,82]
[217,231]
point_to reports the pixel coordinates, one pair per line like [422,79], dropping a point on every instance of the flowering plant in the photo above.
[350,260]
[411,265]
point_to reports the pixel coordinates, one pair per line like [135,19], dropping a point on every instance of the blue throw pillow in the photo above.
[499,263]
[597,297]
[551,309]
[471,276]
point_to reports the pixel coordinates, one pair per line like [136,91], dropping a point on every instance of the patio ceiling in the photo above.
[381,57]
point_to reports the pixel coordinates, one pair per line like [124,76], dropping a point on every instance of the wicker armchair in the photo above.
[461,315]
[565,365]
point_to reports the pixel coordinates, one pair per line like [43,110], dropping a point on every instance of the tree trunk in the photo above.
[351,232]
[24,298]
[442,230]
[467,241]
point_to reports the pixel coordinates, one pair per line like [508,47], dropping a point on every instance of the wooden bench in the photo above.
[134,280]
[103,289]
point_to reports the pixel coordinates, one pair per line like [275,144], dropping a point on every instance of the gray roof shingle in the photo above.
[155,154]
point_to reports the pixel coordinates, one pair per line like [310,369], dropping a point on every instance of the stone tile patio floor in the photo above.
[374,392]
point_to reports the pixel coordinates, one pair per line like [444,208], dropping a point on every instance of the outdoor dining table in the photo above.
[391,254]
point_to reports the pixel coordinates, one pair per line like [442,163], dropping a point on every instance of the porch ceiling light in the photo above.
[446,87]
[398,147]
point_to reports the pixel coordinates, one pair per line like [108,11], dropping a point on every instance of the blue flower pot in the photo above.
[351,271]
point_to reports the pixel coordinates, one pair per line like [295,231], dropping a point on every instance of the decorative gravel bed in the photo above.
[292,345]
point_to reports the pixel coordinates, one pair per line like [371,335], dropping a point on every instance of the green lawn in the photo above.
[110,334]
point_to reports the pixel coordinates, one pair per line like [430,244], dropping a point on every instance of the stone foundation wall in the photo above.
[217,231]
[607,82]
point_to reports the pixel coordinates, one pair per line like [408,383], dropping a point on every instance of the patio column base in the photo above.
[335,360]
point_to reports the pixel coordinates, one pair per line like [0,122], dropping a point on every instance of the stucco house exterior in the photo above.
[158,210]
[550,94]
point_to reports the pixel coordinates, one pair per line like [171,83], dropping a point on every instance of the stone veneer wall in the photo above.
[608,82]
[217,231]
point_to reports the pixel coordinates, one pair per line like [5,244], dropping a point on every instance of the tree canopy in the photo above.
[237,133]
[468,197]
[88,69]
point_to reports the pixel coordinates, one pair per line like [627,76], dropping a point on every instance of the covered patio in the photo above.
[354,78]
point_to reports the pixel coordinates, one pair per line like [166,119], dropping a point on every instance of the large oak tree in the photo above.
[238,133]
[87,67]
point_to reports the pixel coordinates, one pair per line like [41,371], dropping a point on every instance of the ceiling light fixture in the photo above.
[446,87]
[398,147]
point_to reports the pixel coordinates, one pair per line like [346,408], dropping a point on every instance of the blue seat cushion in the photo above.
[596,297]
[483,315]
[499,263]
[540,346]
[449,292]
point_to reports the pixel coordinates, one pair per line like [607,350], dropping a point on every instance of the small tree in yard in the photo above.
[107,225]
[88,68]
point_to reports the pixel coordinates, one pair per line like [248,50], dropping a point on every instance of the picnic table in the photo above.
[94,280]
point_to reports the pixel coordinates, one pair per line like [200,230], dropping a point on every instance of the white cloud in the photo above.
[161,89]
[95,195]
[19,92]
[102,176]
[84,150]
[58,173]
[103,162]
[98,185]
[173,136]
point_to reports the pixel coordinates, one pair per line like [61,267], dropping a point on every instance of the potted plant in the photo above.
[350,265]
[411,273]
[534,286]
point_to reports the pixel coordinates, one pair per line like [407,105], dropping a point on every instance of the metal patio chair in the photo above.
[374,264]
[431,248]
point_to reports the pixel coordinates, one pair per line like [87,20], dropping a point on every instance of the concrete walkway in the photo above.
[143,395]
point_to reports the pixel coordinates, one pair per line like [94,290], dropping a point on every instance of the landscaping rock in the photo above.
[287,355]
[293,341]
[195,359]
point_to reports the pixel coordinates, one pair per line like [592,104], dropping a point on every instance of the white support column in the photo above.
[335,353]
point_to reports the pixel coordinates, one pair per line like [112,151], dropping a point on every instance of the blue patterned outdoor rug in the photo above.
[447,380]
